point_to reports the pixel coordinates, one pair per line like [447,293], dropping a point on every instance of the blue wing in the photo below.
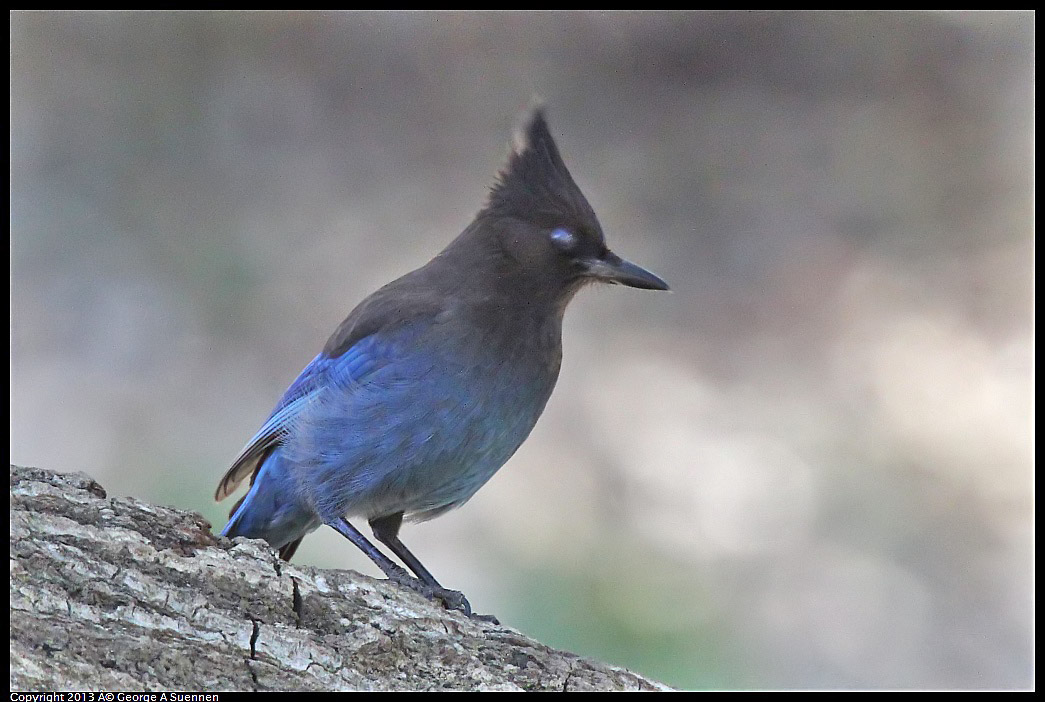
[352,367]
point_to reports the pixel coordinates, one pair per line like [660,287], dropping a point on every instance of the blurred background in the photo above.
[810,466]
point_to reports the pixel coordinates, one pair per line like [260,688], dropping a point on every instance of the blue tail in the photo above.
[270,511]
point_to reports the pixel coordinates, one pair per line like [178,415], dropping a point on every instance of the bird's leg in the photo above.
[387,566]
[386,529]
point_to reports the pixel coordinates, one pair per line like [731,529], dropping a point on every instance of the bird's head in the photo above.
[543,224]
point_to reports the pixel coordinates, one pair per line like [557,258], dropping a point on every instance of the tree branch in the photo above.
[117,594]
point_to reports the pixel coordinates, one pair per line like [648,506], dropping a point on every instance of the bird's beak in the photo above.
[611,268]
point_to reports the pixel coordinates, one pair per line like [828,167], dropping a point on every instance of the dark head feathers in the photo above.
[535,185]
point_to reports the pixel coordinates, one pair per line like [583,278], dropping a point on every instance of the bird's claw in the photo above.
[455,600]
[488,618]
[451,599]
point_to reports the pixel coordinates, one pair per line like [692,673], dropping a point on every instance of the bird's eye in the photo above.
[563,239]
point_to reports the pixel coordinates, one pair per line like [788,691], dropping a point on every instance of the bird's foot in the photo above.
[451,599]
[488,618]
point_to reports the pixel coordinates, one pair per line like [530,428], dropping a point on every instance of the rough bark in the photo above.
[116,594]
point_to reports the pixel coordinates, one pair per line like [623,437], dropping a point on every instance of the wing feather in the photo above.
[271,433]
[353,352]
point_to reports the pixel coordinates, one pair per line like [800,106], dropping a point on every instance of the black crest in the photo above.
[535,184]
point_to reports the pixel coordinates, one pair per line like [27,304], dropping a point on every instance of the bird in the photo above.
[432,382]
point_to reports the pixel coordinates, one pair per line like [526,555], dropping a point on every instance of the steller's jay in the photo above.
[434,381]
